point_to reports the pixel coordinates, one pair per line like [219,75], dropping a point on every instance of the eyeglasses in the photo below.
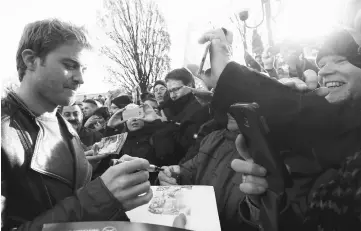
[175,90]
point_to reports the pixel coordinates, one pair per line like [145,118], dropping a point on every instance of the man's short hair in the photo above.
[91,101]
[61,108]
[44,36]
[181,74]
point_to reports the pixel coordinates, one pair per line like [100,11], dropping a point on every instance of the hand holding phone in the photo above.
[137,112]
[256,132]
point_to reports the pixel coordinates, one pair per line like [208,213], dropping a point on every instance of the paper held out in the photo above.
[197,203]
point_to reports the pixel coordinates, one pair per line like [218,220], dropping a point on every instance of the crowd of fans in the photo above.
[51,171]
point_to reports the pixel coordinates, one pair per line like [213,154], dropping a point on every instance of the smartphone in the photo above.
[254,128]
[200,70]
[137,112]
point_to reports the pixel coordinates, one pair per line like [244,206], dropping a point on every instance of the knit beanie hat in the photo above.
[345,43]
[160,82]
[122,101]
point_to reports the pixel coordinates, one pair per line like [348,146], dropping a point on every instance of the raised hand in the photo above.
[116,118]
[220,53]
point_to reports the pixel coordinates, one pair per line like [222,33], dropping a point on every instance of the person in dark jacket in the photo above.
[327,120]
[211,166]
[45,177]
[160,90]
[98,121]
[74,116]
[184,112]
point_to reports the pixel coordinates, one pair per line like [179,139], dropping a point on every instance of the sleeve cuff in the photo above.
[98,203]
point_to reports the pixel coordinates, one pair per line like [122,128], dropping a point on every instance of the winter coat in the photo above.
[212,166]
[185,115]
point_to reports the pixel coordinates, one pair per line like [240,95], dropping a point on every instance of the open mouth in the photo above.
[334,84]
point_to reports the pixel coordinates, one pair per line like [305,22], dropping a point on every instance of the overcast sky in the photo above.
[179,16]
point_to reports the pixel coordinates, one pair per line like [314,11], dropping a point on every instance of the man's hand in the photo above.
[90,121]
[203,96]
[311,79]
[116,118]
[149,114]
[254,181]
[220,51]
[93,157]
[165,177]
[129,185]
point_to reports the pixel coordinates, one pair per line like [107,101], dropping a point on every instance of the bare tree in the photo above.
[140,42]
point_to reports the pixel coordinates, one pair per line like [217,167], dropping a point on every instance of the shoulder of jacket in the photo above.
[213,137]
[8,108]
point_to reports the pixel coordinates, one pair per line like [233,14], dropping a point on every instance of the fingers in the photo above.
[294,83]
[216,34]
[207,37]
[242,148]
[252,189]
[174,169]
[322,91]
[134,179]
[131,166]
[95,148]
[126,157]
[89,153]
[249,168]
[180,221]
[96,158]
[166,171]
[311,79]
[138,201]
[260,181]
[135,191]
[166,179]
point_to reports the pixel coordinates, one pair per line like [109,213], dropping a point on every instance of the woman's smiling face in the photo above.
[342,79]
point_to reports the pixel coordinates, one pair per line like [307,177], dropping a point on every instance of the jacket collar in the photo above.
[43,162]
[19,103]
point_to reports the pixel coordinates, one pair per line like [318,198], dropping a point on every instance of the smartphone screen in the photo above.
[137,112]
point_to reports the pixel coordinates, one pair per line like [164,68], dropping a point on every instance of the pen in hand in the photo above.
[152,168]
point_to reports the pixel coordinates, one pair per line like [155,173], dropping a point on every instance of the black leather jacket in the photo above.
[35,188]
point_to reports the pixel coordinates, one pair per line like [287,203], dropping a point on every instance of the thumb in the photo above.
[311,79]
[95,149]
[322,91]
[180,221]
[242,148]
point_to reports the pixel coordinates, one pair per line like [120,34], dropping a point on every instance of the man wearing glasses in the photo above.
[183,111]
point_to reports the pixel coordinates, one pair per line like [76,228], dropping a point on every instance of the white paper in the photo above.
[198,203]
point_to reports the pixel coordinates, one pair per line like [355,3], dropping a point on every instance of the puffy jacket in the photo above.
[35,188]
[212,166]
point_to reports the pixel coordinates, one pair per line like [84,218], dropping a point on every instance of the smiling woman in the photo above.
[340,67]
